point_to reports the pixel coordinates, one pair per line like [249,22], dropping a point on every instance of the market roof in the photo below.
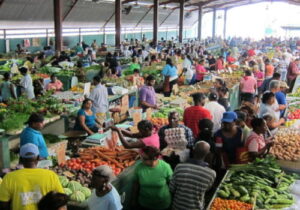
[97,13]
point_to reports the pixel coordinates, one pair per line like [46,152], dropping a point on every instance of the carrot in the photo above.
[109,159]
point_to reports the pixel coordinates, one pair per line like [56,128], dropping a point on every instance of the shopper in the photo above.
[32,134]
[241,123]
[216,110]
[293,72]
[146,136]
[7,88]
[104,195]
[269,69]
[223,100]
[22,189]
[99,97]
[256,143]
[135,64]
[280,102]
[148,95]
[259,76]
[164,133]
[187,68]
[266,84]
[53,201]
[192,115]
[26,84]
[266,108]
[200,70]
[86,119]
[55,84]
[228,139]
[191,180]
[151,179]
[169,73]
[248,86]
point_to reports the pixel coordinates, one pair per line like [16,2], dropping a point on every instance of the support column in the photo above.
[155,21]
[118,23]
[181,11]
[225,23]
[214,23]
[47,37]
[7,48]
[58,24]
[200,23]
[80,36]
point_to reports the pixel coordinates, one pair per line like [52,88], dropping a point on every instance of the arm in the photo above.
[260,153]
[272,124]
[146,104]
[12,91]
[130,134]
[83,125]
[126,144]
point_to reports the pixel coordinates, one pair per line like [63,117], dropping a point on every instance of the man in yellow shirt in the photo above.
[23,189]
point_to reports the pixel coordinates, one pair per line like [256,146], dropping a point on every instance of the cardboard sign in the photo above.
[87,88]
[149,114]
[137,117]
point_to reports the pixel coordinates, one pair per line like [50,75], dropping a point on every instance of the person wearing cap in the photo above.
[193,114]
[104,195]
[216,110]
[228,139]
[22,189]
[32,134]
[147,94]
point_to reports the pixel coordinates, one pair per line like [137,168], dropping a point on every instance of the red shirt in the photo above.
[251,52]
[199,70]
[219,64]
[192,115]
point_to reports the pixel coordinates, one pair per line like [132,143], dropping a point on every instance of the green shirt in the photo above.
[154,190]
[134,66]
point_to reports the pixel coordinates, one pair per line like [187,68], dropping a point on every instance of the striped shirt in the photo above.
[189,183]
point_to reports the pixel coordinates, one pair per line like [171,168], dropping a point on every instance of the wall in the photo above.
[71,41]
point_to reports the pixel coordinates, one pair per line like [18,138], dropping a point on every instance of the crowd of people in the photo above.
[181,161]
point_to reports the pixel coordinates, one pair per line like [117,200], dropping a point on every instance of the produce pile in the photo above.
[222,204]
[296,94]
[287,144]
[261,183]
[90,158]
[294,112]
[164,112]
[75,190]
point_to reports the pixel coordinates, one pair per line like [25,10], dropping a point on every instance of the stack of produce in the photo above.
[261,183]
[222,204]
[90,158]
[296,94]
[75,190]
[287,144]
[294,111]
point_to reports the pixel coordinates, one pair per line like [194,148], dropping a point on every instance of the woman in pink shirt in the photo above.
[200,71]
[55,84]
[259,75]
[145,136]
[248,87]
[256,143]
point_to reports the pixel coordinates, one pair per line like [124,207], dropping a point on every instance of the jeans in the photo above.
[283,75]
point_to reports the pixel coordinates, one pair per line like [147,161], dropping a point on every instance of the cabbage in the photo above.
[68,192]
[86,191]
[74,186]
[77,196]
[63,180]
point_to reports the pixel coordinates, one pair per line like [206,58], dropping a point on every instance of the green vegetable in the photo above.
[68,191]
[74,186]
[63,180]
[86,191]
[245,198]
[77,196]
[243,190]
[235,193]
[223,194]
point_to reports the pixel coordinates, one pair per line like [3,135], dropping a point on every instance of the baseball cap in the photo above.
[35,117]
[29,151]
[283,84]
[229,117]
[104,171]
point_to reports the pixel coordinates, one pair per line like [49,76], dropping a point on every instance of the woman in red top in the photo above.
[269,69]
[200,71]
[220,63]
[256,143]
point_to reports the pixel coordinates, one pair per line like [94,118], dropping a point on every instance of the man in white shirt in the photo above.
[99,96]
[216,110]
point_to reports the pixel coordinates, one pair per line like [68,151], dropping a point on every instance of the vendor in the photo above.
[99,97]
[170,77]
[7,89]
[151,179]
[135,64]
[200,71]
[256,143]
[26,83]
[55,84]
[137,79]
[145,136]
[80,73]
[166,136]
[148,95]
[32,134]
[104,195]
[86,119]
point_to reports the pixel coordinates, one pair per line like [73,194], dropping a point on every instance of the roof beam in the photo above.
[168,2]
[109,19]
[166,17]
[128,1]
[138,23]
[69,11]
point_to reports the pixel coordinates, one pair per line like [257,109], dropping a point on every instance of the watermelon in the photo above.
[86,191]
[74,186]
[63,180]
[68,191]
[77,196]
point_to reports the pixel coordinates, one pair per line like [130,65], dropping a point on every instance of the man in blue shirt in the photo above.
[32,134]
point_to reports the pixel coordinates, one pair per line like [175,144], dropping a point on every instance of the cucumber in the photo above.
[223,194]
[245,198]
[243,190]
[235,193]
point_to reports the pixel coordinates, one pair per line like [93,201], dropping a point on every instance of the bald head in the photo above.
[201,149]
